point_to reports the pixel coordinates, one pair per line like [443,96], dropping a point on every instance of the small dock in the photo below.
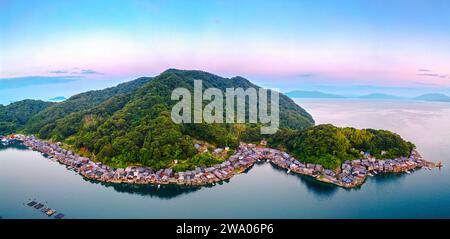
[46,210]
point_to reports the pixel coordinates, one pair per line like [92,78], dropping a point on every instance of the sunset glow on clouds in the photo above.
[340,42]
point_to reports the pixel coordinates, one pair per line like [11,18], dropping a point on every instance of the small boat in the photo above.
[371,175]
[288,171]
[267,160]
[6,141]
[408,172]
[159,186]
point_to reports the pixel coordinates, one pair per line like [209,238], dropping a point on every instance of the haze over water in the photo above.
[264,191]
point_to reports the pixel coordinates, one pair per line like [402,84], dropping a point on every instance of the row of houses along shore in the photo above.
[351,174]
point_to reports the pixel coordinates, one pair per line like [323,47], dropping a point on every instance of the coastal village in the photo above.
[351,173]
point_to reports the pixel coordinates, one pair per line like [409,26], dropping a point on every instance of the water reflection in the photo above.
[389,178]
[164,192]
[14,145]
[320,189]
[171,191]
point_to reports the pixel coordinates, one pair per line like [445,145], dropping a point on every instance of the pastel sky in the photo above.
[352,44]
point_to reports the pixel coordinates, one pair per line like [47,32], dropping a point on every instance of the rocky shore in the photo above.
[351,173]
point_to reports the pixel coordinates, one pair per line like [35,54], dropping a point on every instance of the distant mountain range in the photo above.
[375,96]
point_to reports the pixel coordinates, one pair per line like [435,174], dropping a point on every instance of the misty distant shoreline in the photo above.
[430,97]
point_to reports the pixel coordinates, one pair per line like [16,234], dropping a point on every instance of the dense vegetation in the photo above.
[330,146]
[131,123]
[44,121]
[14,116]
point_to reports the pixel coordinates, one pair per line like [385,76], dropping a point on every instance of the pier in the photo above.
[45,210]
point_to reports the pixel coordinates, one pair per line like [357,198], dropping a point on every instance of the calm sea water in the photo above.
[262,192]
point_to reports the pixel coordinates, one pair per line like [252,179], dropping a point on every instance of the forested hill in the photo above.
[15,115]
[331,146]
[131,123]
[45,120]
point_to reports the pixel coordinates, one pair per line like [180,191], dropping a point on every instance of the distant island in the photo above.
[129,125]
[436,97]
[380,96]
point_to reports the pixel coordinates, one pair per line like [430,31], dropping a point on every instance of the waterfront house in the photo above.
[329,173]
[318,168]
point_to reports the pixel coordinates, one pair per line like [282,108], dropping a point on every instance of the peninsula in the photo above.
[125,134]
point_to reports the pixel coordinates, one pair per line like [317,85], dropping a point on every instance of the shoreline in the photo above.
[351,173]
